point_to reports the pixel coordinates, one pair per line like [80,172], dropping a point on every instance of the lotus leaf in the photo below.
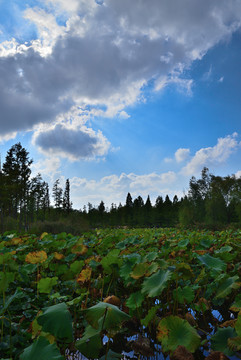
[238,325]
[212,263]
[56,320]
[45,285]
[135,300]
[36,257]
[173,331]
[184,295]
[90,344]
[183,243]
[5,279]
[111,355]
[235,343]
[227,286]
[76,266]
[41,349]
[219,341]
[112,315]
[139,270]
[154,285]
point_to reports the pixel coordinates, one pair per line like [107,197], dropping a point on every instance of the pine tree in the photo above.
[67,205]
[16,170]
[57,195]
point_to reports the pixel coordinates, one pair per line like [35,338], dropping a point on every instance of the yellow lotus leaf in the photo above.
[13,252]
[79,249]
[16,241]
[43,235]
[84,276]
[58,256]
[36,257]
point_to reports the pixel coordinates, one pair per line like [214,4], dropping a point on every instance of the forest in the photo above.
[212,202]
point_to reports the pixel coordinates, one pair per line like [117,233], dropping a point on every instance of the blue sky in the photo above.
[122,96]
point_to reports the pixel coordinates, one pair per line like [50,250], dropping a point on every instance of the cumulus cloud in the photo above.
[49,168]
[238,174]
[212,156]
[104,54]
[115,188]
[73,143]
[182,154]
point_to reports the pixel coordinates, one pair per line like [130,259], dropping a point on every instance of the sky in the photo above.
[122,96]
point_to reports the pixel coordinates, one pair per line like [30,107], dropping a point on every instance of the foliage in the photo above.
[104,291]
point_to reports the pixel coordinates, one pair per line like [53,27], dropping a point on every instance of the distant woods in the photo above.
[211,201]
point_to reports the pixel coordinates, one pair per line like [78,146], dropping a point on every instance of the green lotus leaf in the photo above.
[184,295]
[5,279]
[206,243]
[135,300]
[57,321]
[111,314]
[219,341]
[45,285]
[76,300]
[111,355]
[151,256]
[185,270]
[227,286]
[90,344]
[150,316]
[224,249]
[152,269]
[61,269]
[183,243]
[154,285]
[110,259]
[125,271]
[41,349]
[77,266]
[8,301]
[212,262]
[173,331]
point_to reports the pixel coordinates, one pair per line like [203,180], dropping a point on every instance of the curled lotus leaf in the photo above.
[57,321]
[111,314]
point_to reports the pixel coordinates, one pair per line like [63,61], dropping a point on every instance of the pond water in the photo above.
[158,355]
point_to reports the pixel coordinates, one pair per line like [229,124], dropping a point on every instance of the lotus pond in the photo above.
[121,294]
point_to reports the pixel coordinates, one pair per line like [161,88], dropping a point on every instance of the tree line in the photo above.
[211,201]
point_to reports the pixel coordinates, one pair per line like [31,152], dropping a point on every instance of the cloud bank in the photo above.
[100,57]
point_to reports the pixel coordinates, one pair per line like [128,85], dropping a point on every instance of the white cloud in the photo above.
[49,168]
[212,156]
[182,154]
[238,174]
[114,188]
[102,56]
